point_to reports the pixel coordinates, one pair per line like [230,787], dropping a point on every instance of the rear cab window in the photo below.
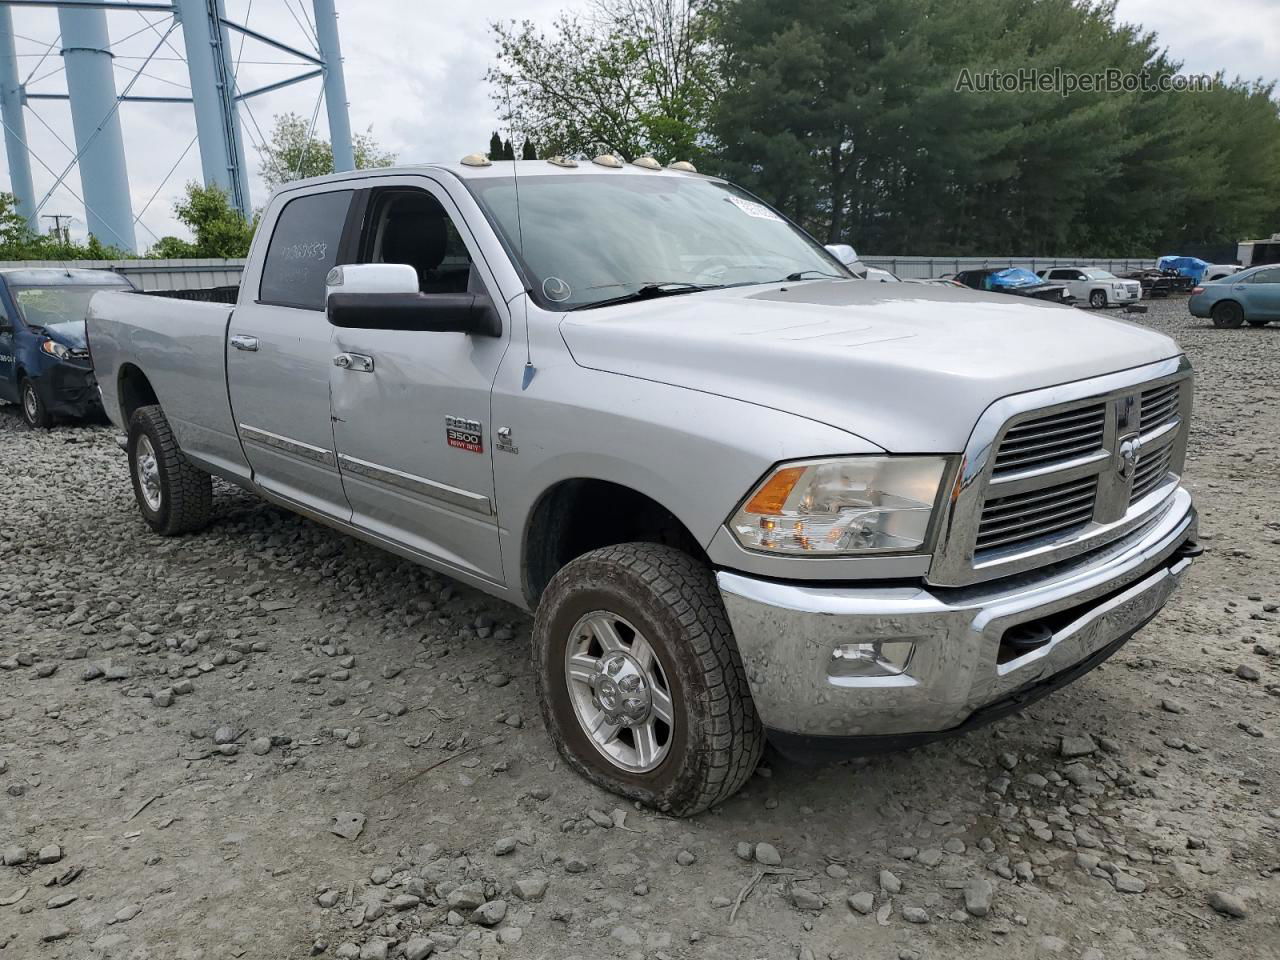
[303,249]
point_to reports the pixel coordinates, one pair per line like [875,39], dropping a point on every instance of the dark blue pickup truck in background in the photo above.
[44,356]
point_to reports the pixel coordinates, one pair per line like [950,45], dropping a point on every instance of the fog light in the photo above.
[875,658]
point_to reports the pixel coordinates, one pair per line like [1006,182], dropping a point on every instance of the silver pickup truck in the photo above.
[746,494]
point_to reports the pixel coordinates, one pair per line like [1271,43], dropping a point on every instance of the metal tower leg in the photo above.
[335,85]
[213,96]
[15,126]
[86,51]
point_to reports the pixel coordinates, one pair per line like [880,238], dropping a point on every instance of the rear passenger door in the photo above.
[280,352]
[1263,295]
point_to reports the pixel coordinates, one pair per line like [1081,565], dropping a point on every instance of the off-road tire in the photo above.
[1227,314]
[34,412]
[186,492]
[1098,299]
[673,601]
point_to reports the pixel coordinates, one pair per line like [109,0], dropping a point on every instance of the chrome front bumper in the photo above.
[965,666]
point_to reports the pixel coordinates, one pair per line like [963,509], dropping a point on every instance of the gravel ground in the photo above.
[269,741]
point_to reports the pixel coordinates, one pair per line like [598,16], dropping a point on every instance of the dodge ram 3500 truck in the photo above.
[746,494]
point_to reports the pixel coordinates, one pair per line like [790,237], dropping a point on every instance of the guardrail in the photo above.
[155,276]
[917,267]
[162,275]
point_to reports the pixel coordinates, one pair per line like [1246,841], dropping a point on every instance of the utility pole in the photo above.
[58,230]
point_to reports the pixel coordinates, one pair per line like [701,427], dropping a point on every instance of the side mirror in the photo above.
[385,296]
[843,252]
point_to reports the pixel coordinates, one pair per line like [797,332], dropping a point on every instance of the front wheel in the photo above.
[34,411]
[641,684]
[1098,299]
[174,496]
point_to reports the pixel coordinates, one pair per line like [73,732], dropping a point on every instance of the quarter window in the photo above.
[303,248]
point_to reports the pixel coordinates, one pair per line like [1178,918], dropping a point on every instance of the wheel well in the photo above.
[134,391]
[580,515]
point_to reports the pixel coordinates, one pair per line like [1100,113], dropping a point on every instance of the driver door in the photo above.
[8,351]
[411,409]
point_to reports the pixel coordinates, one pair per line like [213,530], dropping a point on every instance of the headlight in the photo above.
[55,349]
[842,506]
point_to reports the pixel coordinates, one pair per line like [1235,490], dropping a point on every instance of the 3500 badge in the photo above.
[464,434]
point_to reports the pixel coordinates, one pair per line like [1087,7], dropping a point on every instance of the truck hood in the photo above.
[909,367]
[69,333]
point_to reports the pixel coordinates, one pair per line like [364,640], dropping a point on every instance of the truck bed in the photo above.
[180,348]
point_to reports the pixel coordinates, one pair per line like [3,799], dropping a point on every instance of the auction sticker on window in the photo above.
[752,209]
[464,434]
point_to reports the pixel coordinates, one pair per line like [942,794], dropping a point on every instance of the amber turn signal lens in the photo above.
[770,498]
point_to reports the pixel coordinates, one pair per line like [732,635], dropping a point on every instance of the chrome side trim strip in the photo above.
[296,447]
[421,486]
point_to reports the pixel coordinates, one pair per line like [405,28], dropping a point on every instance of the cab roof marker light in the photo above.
[608,160]
[476,160]
[648,163]
[684,166]
[567,162]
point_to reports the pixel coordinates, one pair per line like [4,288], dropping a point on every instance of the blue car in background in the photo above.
[44,353]
[1251,296]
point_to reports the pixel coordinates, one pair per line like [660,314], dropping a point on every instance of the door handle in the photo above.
[241,342]
[355,362]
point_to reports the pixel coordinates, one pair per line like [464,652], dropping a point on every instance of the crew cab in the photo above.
[1095,286]
[745,493]
[44,361]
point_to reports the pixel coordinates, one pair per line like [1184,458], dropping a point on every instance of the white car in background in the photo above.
[1098,287]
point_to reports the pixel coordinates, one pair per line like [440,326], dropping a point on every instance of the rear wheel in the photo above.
[640,681]
[1098,299]
[174,496]
[33,408]
[1227,313]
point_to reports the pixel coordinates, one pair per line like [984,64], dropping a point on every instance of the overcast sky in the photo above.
[415,77]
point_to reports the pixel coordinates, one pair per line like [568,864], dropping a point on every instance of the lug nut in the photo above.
[631,683]
[613,666]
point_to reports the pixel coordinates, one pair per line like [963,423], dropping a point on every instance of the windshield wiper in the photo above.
[802,274]
[651,291]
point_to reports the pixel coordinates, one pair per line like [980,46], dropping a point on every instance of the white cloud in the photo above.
[415,75]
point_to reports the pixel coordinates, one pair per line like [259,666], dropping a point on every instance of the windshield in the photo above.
[1099,275]
[590,238]
[51,306]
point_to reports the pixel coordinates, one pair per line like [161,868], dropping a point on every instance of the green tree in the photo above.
[295,152]
[527,152]
[217,228]
[19,242]
[495,146]
[848,115]
[636,77]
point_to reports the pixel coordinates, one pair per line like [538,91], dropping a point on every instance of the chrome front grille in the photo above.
[1024,517]
[1052,474]
[1056,438]
[1159,406]
[1153,469]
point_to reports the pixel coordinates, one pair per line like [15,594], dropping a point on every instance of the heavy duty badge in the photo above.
[464,434]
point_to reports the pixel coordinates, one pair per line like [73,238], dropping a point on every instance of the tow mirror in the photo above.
[385,296]
[843,252]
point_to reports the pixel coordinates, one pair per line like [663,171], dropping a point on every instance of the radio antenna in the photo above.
[529,369]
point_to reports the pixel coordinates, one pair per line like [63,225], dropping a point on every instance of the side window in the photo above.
[6,325]
[411,227]
[1266,276]
[303,248]
[1058,275]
